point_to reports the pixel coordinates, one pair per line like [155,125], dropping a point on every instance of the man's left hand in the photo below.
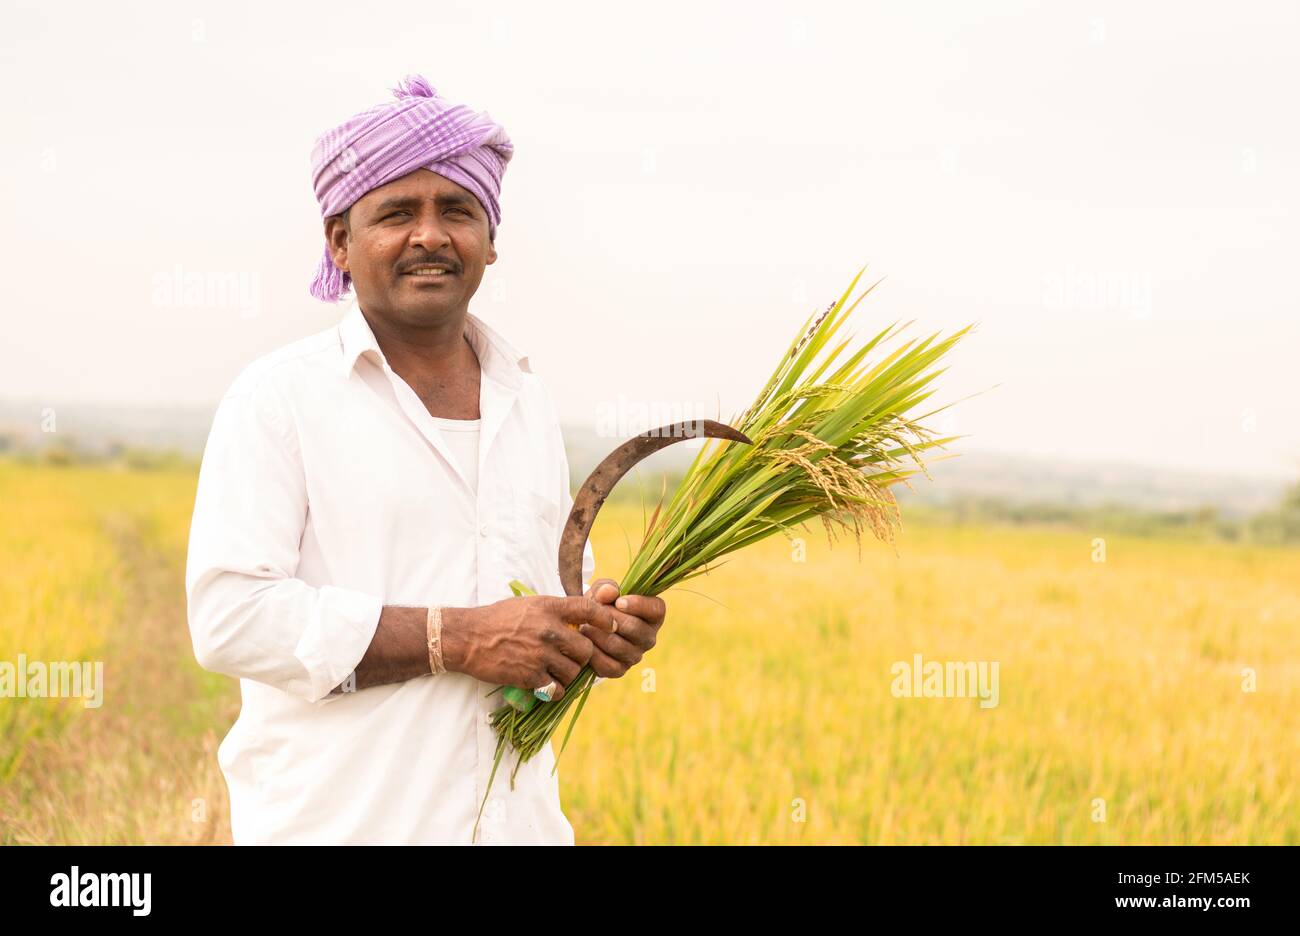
[638,617]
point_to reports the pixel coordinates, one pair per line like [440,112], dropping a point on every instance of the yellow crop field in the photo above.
[1148,691]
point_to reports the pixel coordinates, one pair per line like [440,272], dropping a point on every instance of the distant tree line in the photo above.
[1279,524]
[65,450]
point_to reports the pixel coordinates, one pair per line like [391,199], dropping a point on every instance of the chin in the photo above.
[426,310]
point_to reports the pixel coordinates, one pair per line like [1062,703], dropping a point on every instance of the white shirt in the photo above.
[326,492]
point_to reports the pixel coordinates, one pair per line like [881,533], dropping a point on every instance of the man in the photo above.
[365,498]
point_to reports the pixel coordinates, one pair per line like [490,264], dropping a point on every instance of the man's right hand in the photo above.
[524,642]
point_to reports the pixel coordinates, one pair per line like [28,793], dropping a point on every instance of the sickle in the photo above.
[601,481]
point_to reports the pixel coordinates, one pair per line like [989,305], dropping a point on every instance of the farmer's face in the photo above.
[421,218]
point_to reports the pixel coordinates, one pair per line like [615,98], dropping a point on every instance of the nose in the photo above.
[429,232]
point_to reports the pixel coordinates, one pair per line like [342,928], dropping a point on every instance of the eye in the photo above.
[461,210]
[394,214]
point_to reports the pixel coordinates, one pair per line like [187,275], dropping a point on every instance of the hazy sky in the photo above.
[1108,189]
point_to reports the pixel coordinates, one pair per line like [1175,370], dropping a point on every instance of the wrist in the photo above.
[455,638]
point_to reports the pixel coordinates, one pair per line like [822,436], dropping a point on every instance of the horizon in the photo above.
[181,429]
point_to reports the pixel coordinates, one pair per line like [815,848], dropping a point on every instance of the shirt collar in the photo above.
[497,357]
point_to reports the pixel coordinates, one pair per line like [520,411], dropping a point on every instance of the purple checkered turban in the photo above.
[419,130]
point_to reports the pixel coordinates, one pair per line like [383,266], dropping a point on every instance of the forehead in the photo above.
[421,184]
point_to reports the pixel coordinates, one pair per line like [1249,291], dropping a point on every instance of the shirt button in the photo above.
[483,530]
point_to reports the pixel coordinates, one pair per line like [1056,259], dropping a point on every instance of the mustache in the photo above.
[409,265]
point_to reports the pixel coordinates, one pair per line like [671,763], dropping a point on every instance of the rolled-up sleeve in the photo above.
[249,617]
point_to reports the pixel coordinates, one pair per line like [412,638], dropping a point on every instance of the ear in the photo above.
[336,236]
[491,253]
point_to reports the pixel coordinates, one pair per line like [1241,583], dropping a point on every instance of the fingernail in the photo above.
[621,604]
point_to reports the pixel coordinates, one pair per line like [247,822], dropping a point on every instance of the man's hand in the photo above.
[638,619]
[524,642]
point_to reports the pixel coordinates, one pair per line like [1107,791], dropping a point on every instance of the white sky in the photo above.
[1109,189]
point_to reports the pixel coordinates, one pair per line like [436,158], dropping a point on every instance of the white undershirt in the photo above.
[462,437]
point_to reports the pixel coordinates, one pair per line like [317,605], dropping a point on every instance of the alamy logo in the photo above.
[931,679]
[102,890]
[60,679]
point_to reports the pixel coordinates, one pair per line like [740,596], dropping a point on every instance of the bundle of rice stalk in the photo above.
[830,435]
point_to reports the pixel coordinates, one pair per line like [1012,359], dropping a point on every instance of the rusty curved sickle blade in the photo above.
[602,480]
